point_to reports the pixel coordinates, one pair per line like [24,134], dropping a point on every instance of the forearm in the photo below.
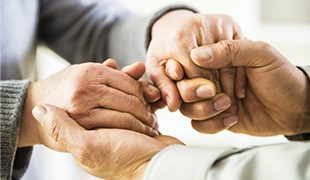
[279,161]
[13,94]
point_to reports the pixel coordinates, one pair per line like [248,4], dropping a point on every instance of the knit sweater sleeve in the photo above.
[13,94]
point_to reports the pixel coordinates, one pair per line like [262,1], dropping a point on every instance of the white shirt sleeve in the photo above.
[279,161]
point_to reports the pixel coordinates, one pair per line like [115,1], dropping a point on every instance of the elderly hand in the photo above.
[96,95]
[277,93]
[105,153]
[173,37]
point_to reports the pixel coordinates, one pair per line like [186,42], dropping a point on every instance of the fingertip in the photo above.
[135,70]
[173,103]
[110,63]
[174,70]
[241,93]
[151,93]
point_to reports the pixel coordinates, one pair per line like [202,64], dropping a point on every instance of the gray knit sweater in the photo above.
[78,30]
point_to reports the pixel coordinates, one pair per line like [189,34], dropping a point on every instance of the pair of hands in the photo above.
[235,84]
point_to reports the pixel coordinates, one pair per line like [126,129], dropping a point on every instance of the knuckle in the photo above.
[178,36]
[198,19]
[200,111]
[91,68]
[264,46]
[127,122]
[132,102]
[230,48]
[227,18]
[194,111]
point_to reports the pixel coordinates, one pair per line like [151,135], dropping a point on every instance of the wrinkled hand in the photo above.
[173,37]
[96,95]
[277,93]
[105,153]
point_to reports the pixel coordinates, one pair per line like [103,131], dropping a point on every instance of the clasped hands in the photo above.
[232,84]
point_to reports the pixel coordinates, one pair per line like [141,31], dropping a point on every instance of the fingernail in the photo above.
[202,53]
[242,93]
[152,88]
[39,111]
[230,121]
[155,93]
[173,73]
[222,103]
[205,91]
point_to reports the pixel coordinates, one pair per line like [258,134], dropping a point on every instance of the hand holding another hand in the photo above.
[96,95]
[277,93]
[105,153]
[173,37]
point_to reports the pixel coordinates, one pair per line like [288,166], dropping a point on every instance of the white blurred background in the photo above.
[285,24]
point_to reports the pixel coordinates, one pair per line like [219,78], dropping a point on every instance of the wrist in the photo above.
[305,115]
[28,134]
[139,173]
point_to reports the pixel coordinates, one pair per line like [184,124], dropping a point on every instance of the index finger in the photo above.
[167,87]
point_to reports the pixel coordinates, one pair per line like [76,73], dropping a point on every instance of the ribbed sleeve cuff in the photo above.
[12,95]
[183,163]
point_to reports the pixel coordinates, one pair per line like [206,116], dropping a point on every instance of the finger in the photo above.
[167,87]
[238,34]
[225,31]
[158,105]
[117,100]
[206,109]
[107,118]
[59,125]
[191,70]
[110,63]
[174,70]
[150,92]
[135,70]
[234,53]
[192,90]
[228,76]
[240,84]
[215,124]
[122,82]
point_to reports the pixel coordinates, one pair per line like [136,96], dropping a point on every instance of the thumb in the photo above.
[58,125]
[233,52]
